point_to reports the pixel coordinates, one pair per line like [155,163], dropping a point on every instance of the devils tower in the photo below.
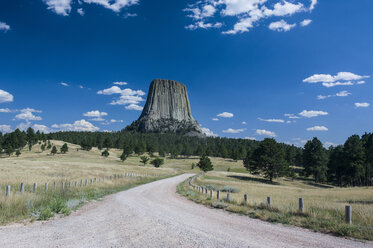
[167,110]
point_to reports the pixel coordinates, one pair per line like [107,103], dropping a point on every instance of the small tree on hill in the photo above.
[315,160]
[205,163]
[42,147]
[105,153]
[64,148]
[18,152]
[144,160]
[124,156]
[54,150]
[9,150]
[157,162]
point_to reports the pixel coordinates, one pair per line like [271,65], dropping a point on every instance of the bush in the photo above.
[229,189]
[45,214]
[157,162]
[57,205]
[105,153]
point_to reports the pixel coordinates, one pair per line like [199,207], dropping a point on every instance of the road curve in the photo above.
[153,215]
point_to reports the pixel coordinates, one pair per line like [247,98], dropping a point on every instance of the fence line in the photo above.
[301,208]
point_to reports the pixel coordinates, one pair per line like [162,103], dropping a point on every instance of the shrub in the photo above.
[105,153]
[45,214]
[157,162]
[229,189]
[57,205]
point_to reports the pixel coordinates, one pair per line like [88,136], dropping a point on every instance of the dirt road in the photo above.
[153,215]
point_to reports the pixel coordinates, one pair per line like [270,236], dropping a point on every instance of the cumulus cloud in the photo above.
[292,116]
[313,4]
[317,128]
[128,97]
[248,13]
[4,27]
[5,96]
[362,104]
[208,132]
[281,26]
[250,138]
[343,93]
[225,115]
[328,144]
[64,84]
[133,106]
[244,123]
[41,128]
[342,78]
[114,5]
[312,113]
[305,22]
[264,132]
[231,130]
[115,121]
[5,110]
[60,7]
[81,125]
[95,113]
[80,11]
[5,128]
[120,83]
[27,115]
[272,120]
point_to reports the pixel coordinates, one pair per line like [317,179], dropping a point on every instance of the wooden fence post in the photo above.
[348,213]
[8,190]
[35,187]
[268,201]
[76,184]
[70,184]
[63,185]
[86,182]
[46,187]
[229,196]
[55,185]
[211,193]
[245,198]
[218,194]
[22,188]
[301,205]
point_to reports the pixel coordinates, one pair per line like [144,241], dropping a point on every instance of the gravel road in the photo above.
[153,215]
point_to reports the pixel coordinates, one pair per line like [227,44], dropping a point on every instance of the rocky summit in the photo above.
[167,110]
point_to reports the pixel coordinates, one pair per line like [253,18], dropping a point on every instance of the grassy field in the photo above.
[324,204]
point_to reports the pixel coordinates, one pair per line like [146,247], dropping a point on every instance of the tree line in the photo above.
[350,164]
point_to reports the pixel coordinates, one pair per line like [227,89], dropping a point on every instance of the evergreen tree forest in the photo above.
[350,164]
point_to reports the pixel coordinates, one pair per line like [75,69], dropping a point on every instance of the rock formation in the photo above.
[167,110]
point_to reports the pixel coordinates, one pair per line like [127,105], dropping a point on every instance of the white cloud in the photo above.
[361,82]
[115,121]
[128,15]
[120,83]
[313,4]
[80,11]
[95,113]
[231,130]
[114,5]
[328,80]
[110,91]
[305,22]
[317,128]
[215,119]
[24,125]
[244,123]
[41,128]
[81,125]
[247,12]
[208,132]
[292,116]
[134,107]
[4,27]
[225,115]
[5,96]
[265,133]
[328,144]
[6,110]
[281,26]
[272,120]
[97,119]
[5,128]
[312,113]
[362,104]
[60,7]
[250,138]
[343,93]
[64,84]
[27,115]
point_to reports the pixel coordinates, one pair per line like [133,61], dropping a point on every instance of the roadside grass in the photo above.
[45,205]
[324,206]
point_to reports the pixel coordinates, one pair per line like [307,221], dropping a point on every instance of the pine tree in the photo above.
[18,152]
[105,153]
[54,150]
[157,162]
[315,160]
[354,160]
[205,163]
[64,148]
[144,160]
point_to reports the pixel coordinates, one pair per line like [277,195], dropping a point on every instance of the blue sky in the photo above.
[290,69]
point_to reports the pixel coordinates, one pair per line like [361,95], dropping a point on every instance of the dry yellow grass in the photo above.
[324,204]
